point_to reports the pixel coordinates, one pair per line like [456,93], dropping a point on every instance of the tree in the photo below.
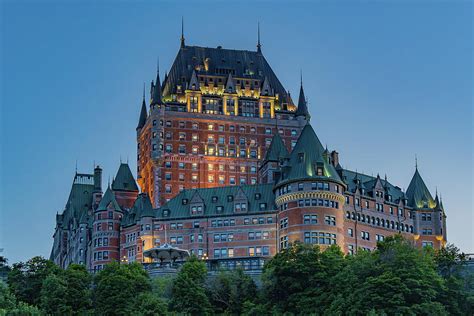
[26,279]
[230,290]
[149,304]
[118,286]
[54,296]
[78,288]
[458,295]
[7,299]
[395,279]
[298,279]
[188,292]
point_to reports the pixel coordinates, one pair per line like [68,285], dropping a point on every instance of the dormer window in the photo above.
[185,201]
[214,199]
[300,157]
[263,206]
[257,196]
[166,213]
[219,209]
[240,207]
[319,171]
[196,209]
[230,198]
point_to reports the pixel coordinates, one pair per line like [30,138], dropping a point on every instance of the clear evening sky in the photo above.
[385,80]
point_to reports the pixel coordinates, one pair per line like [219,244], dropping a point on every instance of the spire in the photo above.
[143,112]
[182,33]
[302,105]
[259,46]
[156,97]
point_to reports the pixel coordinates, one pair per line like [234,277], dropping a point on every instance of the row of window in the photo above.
[110,215]
[222,128]
[379,207]
[321,238]
[110,226]
[99,242]
[101,255]
[379,222]
[212,167]
[319,186]
[316,202]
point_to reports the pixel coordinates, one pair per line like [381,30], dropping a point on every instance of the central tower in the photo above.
[211,121]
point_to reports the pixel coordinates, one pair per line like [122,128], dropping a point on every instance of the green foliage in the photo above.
[188,293]
[7,299]
[458,296]
[229,291]
[24,309]
[299,278]
[149,304]
[78,288]
[394,279]
[118,286]
[54,296]
[26,279]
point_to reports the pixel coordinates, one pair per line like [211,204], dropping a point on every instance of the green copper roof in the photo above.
[418,194]
[220,197]
[141,208]
[143,115]
[306,157]
[277,149]
[79,200]
[302,105]
[109,197]
[368,183]
[124,180]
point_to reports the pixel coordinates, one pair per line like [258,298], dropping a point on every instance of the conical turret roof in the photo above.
[302,106]
[143,207]
[109,197]
[124,180]
[156,97]
[418,194]
[143,115]
[306,157]
[277,149]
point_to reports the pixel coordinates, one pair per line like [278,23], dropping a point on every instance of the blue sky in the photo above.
[385,80]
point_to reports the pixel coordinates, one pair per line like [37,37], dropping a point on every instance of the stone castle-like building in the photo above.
[230,169]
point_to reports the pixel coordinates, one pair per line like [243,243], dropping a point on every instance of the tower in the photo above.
[429,216]
[309,196]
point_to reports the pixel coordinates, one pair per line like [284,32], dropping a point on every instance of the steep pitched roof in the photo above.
[241,63]
[124,180]
[143,115]
[109,197]
[219,197]
[277,149]
[79,200]
[305,157]
[368,182]
[418,194]
[302,105]
[156,97]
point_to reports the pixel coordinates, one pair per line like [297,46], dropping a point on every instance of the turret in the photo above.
[428,216]
[143,113]
[309,195]
[302,110]
[156,93]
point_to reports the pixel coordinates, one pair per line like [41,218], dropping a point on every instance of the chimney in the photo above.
[335,158]
[97,179]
